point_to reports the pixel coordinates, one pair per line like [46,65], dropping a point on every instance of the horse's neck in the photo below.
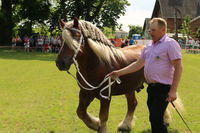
[88,61]
[91,69]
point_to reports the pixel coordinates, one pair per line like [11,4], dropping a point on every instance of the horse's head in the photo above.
[71,46]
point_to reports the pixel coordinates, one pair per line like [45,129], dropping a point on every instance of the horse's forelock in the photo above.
[67,38]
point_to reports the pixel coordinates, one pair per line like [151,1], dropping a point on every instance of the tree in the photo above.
[119,26]
[185,28]
[103,13]
[32,12]
[108,32]
[134,30]
[21,16]
[6,23]
[197,34]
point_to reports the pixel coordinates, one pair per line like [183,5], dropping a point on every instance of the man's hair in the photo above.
[160,22]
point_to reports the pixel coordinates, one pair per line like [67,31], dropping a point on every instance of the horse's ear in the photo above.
[62,23]
[76,23]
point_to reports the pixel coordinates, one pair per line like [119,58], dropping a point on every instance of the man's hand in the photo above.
[171,96]
[133,67]
[114,74]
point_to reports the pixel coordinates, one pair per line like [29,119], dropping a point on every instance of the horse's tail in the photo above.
[178,104]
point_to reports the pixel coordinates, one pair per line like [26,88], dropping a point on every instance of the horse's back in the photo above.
[132,81]
[132,52]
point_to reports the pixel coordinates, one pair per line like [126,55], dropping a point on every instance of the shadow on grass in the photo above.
[149,131]
[169,131]
[19,54]
[146,131]
[124,131]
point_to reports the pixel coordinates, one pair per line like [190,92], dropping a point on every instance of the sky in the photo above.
[136,13]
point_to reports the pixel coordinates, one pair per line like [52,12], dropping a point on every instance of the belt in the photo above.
[157,84]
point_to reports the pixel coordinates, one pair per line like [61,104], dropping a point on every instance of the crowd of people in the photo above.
[124,42]
[53,44]
[39,42]
[189,43]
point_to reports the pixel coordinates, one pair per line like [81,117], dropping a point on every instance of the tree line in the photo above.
[20,17]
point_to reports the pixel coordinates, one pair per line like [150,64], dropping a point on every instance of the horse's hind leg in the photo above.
[128,123]
[84,101]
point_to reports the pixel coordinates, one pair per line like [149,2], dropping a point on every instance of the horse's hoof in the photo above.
[126,126]
[166,124]
[123,130]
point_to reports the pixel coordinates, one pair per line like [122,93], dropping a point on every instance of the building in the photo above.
[194,24]
[168,8]
[146,28]
[120,34]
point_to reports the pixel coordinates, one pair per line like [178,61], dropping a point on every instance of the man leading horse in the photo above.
[161,59]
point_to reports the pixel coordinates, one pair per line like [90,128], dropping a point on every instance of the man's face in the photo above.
[156,32]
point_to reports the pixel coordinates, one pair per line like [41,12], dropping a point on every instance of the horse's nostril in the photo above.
[63,64]
[59,64]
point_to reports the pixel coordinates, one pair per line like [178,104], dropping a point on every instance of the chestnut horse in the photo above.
[96,57]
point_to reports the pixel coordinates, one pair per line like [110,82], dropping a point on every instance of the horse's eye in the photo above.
[75,37]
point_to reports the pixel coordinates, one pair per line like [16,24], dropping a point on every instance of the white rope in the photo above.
[106,78]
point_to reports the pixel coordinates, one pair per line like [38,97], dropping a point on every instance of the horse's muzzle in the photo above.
[63,64]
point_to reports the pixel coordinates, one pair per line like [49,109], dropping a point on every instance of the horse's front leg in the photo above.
[128,122]
[85,99]
[103,115]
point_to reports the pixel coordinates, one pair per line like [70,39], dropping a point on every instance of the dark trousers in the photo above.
[157,94]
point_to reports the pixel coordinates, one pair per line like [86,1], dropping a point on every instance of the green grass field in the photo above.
[35,97]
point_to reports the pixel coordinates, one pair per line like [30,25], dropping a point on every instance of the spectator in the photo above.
[180,41]
[31,40]
[126,42]
[131,41]
[54,44]
[26,44]
[36,40]
[56,49]
[112,41]
[14,41]
[59,41]
[123,43]
[46,44]
[191,43]
[50,47]
[196,44]
[40,43]
[18,41]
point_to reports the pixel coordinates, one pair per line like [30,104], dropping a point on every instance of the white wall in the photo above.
[143,42]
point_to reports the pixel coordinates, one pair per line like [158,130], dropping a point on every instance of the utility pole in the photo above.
[176,24]
[182,20]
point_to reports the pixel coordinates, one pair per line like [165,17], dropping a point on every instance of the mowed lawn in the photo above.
[35,97]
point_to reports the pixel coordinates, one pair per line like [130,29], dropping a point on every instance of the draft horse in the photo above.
[96,57]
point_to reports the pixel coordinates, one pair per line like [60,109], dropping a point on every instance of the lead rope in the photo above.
[106,78]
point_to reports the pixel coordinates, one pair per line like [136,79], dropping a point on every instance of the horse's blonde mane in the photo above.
[97,41]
